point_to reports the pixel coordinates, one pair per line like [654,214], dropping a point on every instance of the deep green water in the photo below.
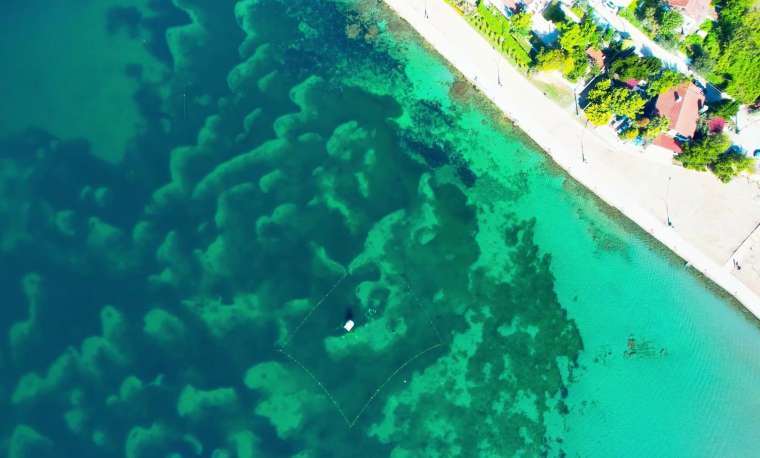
[194,197]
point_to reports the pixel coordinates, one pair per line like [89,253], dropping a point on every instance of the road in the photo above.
[643,43]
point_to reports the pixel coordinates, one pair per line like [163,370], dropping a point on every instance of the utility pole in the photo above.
[575,98]
[498,71]
[583,133]
[667,207]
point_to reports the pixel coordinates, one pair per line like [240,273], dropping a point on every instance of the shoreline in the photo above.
[707,228]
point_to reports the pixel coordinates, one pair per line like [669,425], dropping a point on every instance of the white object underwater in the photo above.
[349,325]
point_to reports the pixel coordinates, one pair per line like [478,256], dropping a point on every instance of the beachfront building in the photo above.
[506,7]
[510,7]
[617,4]
[466,5]
[682,106]
[535,6]
[544,29]
[694,13]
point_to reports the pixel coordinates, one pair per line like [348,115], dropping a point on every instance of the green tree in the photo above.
[598,114]
[654,127]
[741,60]
[711,45]
[701,61]
[732,13]
[667,80]
[600,89]
[521,22]
[703,153]
[578,37]
[670,22]
[573,41]
[728,56]
[498,29]
[626,102]
[629,134]
[725,109]
[729,165]
[635,67]
[604,101]
[554,59]
[554,13]
[579,67]
[650,19]
[494,21]
[598,110]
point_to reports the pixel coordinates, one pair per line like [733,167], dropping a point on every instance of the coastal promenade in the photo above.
[709,220]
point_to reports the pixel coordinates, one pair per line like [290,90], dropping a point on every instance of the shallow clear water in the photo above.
[194,199]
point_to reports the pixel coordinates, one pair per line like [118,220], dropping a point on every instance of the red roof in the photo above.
[668,143]
[632,83]
[681,106]
[699,10]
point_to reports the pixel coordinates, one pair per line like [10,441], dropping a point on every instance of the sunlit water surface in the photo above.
[194,199]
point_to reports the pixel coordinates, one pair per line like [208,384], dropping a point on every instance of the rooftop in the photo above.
[681,106]
[699,10]
[666,142]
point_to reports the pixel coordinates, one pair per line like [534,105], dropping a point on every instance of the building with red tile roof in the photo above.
[695,12]
[663,141]
[681,105]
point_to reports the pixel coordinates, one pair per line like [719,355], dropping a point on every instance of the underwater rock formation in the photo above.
[190,300]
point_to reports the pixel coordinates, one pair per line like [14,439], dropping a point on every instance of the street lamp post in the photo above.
[583,134]
[498,71]
[667,207]
[575,99]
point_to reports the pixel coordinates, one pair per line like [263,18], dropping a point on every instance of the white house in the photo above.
[508,7]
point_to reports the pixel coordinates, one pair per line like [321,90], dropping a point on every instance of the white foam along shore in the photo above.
[710,220]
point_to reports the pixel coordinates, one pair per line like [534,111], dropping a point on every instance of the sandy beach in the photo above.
[713,223]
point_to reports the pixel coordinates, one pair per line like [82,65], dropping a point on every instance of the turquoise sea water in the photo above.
[195,196]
